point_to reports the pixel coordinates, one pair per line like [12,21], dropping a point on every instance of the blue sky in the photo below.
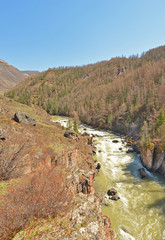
[38,34]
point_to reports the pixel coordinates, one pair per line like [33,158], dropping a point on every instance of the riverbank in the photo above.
[139,213]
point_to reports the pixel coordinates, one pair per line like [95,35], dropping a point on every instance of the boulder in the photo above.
[98,166]
[115,198]
[142,172]
[85,134]
[93,152]
[21,117]
[111,192]
[130,150]
[115,141]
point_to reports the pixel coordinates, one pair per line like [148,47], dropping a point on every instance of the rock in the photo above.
[93,227]
[147,157]
[115,198]
[94,152]
[85,134]
[130,150]
[115,141]
[90,141]
[2,134]
[111,192]
[21,117]
[142,172]
[120,148]
[98,166]
[106,204]
[99,151]
[72,135]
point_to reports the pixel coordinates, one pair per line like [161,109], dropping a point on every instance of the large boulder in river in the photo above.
[98,166]
[142,172]
[111,192]
[115,198]
[21,117]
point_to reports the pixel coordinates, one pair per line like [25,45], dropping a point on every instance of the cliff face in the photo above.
[153,158]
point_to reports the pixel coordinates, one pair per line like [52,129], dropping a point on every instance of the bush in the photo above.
[43,194]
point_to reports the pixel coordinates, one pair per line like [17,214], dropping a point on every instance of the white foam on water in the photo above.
[125,236]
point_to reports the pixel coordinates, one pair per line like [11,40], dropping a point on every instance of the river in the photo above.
[140,212]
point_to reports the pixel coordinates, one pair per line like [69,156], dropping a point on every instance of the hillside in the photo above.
[124,94]
[42,176]
[10,76]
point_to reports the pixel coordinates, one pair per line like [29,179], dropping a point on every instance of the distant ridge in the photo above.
[10,76]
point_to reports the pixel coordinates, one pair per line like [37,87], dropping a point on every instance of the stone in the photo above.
[98,166]
[130,150]
[115,141]
[93,227]
[85,134]
[111,192]
[21,117]
[142,172]
[115,198]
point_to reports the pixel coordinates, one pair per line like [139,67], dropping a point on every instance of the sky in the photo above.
[42,34]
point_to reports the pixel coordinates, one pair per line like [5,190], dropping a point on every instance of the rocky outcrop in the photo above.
[21,117]
[72,135]
[153,158]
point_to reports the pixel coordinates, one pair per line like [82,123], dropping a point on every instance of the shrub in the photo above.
[41,195]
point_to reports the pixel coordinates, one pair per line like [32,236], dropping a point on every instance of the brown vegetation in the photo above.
[43,194]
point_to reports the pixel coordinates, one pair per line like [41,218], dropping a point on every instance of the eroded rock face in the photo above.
[158,157]
[154,159]
[21,117]
[147,158]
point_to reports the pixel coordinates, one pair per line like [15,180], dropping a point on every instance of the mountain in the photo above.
[10,76]
[126,94]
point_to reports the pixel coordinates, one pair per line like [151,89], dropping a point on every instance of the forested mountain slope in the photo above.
[126,94]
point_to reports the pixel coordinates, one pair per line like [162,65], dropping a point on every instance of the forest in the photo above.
[123,94]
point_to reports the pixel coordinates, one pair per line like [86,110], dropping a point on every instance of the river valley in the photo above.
[140,212]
